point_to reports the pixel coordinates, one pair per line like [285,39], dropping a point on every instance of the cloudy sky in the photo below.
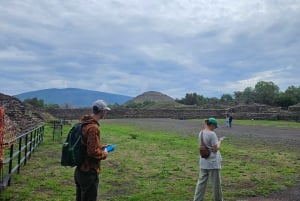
[210,47]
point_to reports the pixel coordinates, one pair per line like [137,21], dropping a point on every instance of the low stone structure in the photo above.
[26,117]
[240,112]
[257,108]
[295,108]
[262,112]
[139,113]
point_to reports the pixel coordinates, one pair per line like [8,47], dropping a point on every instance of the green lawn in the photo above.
[156,166]
[286,124]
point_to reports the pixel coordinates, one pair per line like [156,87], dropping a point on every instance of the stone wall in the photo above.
[295,108]
[26,117]
[256,108]
[139,113]
[263,114]
[287,116]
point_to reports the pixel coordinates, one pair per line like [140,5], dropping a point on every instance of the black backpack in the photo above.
[73,152]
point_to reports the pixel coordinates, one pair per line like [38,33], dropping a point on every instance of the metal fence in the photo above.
[19,150]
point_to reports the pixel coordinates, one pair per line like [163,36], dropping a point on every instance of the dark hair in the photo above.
[207,122]
[96,110]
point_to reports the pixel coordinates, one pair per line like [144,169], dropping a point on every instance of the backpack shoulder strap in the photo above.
[83,141]
[79,136]
[202,142]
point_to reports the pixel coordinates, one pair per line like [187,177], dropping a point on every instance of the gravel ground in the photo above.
[284,136]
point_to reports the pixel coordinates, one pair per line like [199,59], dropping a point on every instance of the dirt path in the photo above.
[284,136]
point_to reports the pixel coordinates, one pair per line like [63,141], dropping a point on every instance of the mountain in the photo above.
[73,96]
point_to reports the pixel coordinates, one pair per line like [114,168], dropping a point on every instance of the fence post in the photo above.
[11,156]
[61,133]
[19,155]
[30,146]
[38,136]
[34,139]
[54,126]
[25,150]
[42,129]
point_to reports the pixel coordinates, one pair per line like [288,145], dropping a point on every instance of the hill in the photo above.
[153,100]
[153,96]
[74,96]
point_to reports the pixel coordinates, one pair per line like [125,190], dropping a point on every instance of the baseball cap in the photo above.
[213,121]
[101,105]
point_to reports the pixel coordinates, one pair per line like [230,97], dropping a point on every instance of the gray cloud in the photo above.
[128,47]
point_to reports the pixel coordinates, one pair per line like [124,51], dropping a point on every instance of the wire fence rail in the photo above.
[19,150]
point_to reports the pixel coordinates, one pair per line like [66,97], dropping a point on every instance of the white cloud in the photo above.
[279,76]
[14,54]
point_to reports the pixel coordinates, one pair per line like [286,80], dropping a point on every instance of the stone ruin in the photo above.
[26,117]
[23,117]
[262,112]
[253,111]
[295,108]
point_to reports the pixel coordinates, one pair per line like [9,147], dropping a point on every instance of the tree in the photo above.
[285,100]
[294,92]
[192,99]
[34,102]
[248,95]
[291,96]
[115,105]
[226,98]
[265,92]
[238,96]
[213,100]
[52,106]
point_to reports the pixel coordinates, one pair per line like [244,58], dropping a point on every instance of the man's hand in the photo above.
[222,138]
[110,148]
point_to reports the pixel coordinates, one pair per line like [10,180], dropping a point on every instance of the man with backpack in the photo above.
[86,175]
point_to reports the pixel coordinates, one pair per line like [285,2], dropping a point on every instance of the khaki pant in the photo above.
[215,178]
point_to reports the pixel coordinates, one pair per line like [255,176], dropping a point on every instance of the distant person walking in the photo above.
[87,174]
[227,120]
[230,121]
[210,167]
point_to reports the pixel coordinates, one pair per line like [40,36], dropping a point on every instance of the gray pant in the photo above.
[215,177]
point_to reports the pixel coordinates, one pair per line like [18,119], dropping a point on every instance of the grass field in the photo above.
[157,166]
[285,124]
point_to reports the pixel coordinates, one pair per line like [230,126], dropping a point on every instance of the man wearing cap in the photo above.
[210,167]
[87,174]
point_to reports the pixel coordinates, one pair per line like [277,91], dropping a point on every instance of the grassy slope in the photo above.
[155,166]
